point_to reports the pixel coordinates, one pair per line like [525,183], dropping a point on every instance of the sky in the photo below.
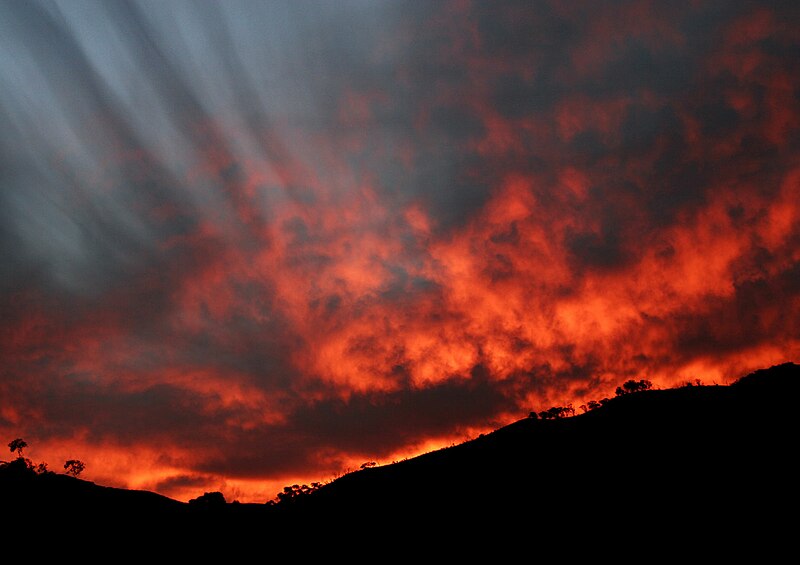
[249,244]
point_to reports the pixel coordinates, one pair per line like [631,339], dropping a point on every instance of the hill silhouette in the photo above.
[655,466]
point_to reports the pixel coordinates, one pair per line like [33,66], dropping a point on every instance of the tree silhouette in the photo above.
[18,445]
[592,405]
[555,412]
[74,467]
[547,414]
[295,491]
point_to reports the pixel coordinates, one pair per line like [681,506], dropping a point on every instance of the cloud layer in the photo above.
[247,244]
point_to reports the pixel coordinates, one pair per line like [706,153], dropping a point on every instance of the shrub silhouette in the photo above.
[19,467]
[209,500]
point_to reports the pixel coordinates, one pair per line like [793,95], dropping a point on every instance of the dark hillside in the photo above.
[647,464]
[704,456]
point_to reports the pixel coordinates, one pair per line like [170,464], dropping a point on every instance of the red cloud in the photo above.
[507,220]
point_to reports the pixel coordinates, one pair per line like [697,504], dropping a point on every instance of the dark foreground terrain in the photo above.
[656,468]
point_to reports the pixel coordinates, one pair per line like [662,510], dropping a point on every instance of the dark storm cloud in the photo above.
[642,127]
[183,481]
[596,250]
[361,422]
[635,67]
[372,426]
[752,316]
[163,413]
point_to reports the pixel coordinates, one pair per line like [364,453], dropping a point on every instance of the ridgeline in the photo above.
[649,465]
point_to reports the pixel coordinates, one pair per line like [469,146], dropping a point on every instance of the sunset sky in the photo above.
[246,244]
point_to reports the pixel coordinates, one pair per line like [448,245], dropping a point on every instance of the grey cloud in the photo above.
[372,425]
[80,232]
[162,413]
[182,481]
[635,67]
[516,97]
[752,316]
